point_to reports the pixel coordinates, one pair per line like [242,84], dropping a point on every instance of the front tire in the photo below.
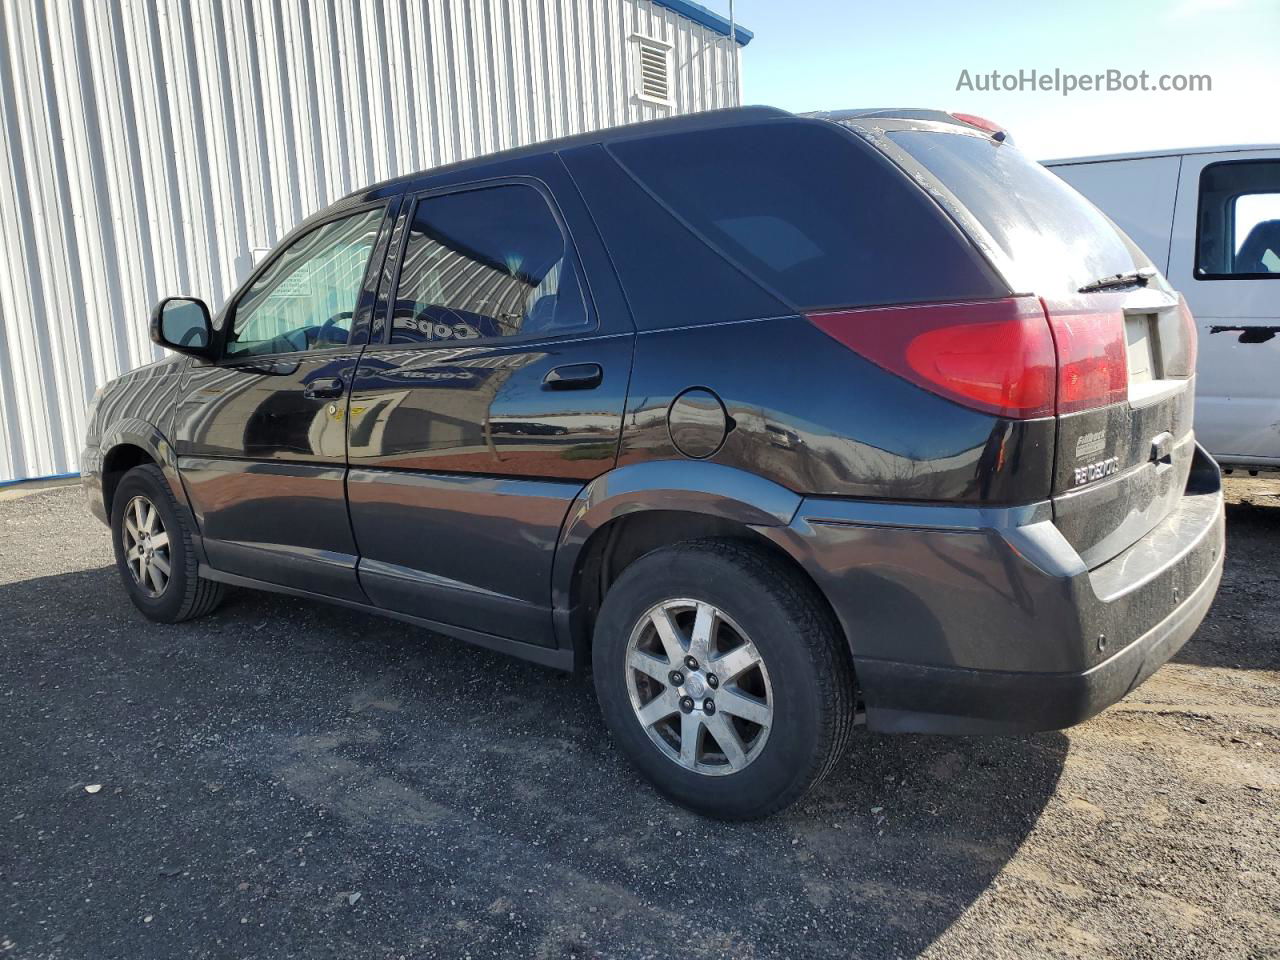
[154,552]
[722,674]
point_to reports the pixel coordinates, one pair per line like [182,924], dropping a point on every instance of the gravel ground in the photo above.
[285,780]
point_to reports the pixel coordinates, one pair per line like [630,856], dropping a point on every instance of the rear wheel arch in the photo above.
[621,541]
[635,509]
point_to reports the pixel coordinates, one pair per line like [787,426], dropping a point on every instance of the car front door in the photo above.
[261,434]
[496,395]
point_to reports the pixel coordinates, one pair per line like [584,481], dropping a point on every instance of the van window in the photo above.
[1238,224]
[1055,239]
[485,263]
[811,213]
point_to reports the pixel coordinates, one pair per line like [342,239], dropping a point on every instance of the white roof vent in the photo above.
[652,69]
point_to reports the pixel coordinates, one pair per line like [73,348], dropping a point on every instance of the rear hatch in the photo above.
[1124,341]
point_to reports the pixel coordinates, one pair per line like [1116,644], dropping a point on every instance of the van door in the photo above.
[496,395]
[1137,193]
[261,434]
[1225,258]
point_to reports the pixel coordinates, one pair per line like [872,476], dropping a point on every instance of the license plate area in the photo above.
[1142,339]
[1147,381]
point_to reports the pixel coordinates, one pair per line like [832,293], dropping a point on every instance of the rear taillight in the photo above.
[1093,367]
[1019,357]
[993,355]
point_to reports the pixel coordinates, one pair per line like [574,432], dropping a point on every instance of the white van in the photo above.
[1209,218]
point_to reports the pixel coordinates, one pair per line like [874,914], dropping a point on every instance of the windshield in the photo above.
[1055,239]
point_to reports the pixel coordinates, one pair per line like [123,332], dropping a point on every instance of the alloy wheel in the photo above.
[146,546]
[699,687]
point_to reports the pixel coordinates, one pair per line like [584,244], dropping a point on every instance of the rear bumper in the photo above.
[935,699]
[977,620]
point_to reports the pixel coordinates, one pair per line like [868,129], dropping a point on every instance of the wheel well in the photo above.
[119,461]
[624,540]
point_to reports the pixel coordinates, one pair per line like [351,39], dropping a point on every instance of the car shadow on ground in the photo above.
[261,766]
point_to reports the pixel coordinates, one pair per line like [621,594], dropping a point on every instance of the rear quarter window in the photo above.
[811,213]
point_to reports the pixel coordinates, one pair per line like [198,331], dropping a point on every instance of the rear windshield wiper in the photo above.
[1134,278]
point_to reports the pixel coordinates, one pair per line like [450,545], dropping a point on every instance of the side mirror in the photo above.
[183,324]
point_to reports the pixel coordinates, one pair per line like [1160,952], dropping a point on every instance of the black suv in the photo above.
[780,422]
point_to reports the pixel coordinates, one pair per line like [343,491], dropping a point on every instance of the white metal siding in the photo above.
[151,145]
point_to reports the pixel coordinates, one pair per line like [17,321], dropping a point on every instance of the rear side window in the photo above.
[1238,225]
[1055,239]
[810,213]
[485,264]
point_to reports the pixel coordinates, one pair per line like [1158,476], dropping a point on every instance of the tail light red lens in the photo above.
[995,355]
[1019,357]
[1093,367]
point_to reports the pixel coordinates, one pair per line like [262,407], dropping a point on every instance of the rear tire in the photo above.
[768,674]
[154,551]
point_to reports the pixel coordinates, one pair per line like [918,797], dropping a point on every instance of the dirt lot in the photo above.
[283,780]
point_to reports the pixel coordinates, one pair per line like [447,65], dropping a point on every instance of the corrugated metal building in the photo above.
[154,147]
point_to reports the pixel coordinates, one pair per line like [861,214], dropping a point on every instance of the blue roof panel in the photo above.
[708,18]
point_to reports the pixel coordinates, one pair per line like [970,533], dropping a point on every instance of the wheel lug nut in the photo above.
[713,681]
[708,706]
[677,678]
[691,663]
[686,704]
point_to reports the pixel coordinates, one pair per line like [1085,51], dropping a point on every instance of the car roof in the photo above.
[886,113]
[1147,154]
[705,120]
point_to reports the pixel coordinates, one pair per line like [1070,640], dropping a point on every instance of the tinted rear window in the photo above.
[811,213]
[1056,239]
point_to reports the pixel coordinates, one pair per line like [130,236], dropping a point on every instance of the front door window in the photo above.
[305,300]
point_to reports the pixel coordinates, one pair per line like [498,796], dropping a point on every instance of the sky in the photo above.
[826,54]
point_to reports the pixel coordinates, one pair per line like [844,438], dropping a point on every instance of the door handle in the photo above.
[324,388]
[573,376]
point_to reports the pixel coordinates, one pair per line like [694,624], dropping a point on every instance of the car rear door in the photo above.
[1225,258]
[261,434]
[492,392]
